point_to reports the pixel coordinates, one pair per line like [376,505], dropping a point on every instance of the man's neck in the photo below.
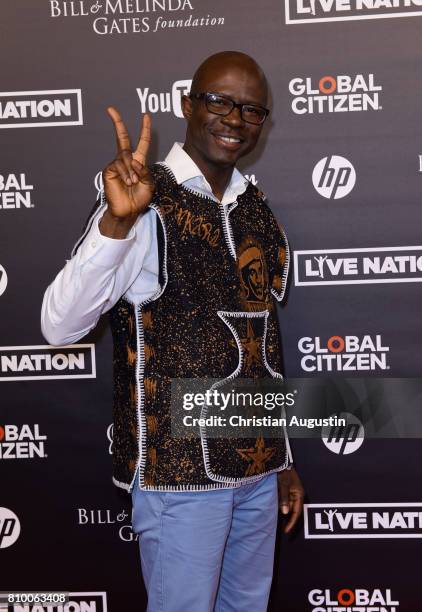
[218,177]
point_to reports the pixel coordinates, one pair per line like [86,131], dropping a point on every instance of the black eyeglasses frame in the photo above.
[240,105]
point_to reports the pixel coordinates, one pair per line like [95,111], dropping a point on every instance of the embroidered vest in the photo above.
[213,317]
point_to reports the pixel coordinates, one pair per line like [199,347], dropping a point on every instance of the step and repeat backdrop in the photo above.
[341,164]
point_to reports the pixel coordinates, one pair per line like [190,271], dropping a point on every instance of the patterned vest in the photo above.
[212,317]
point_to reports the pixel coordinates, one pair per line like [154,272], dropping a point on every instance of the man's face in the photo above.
[207,134]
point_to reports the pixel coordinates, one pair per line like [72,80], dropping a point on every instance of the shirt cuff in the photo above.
[103,251]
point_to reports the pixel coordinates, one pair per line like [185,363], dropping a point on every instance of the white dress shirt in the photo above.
[103,269]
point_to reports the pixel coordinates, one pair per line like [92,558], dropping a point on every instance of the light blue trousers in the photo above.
[209,550]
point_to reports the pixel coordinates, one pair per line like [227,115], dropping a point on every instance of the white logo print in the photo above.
[10,527]
[15,191]
[330,516]
[3,280]
[363,520]
[327,600]
[20,109]
[321,11]
[110,432]
[98,182]
[47,362]
[334,177]
[344,439]
[335,94]
[21,442]
[358,266]
[343,354]
[111,17]
[164,102]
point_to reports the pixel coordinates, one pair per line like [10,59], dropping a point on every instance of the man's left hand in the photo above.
[290,496]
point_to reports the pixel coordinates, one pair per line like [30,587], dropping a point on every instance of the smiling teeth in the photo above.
[228,139]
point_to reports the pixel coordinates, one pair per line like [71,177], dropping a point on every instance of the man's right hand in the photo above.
[128,184]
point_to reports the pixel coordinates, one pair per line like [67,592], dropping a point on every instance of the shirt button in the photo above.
[93,244]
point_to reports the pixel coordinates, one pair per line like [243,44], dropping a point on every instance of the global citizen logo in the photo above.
[15,191]
[107,518]
[22,442]
[10,528]
[340,521]
[334,177]
[320,11]
[19,109]
[344,439]
[47,362]
[164,102]
[352,600]
[88,601]
[339,94]
[3,280]
[358,266]
[112,17]
[343,354]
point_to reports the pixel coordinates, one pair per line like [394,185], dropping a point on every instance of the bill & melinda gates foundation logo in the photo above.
[113,17]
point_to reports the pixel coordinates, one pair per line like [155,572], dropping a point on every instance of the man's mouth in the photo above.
[228,141]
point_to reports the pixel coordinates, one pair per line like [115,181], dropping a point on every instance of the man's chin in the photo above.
[226,158]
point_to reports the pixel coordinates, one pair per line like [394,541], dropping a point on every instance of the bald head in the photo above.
[220,132]
[217,63]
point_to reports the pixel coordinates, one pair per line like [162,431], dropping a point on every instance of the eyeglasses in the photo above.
[222,105]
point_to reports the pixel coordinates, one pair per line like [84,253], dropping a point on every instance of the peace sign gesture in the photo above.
[128,184]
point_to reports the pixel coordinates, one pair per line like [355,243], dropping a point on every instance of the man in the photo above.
[187,257]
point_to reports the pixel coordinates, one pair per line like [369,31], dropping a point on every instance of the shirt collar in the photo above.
[186,171]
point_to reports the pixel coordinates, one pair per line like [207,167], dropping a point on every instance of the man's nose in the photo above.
[234,117]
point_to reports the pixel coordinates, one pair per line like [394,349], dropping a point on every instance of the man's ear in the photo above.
[186,107]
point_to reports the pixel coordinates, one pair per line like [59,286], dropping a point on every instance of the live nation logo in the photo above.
[401,264]
[22,442]
[335,94]
[362,600]
[86,601]
[58,107]
[111,17]
[319,11]
[15,191]
[395,520]
[47,362]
